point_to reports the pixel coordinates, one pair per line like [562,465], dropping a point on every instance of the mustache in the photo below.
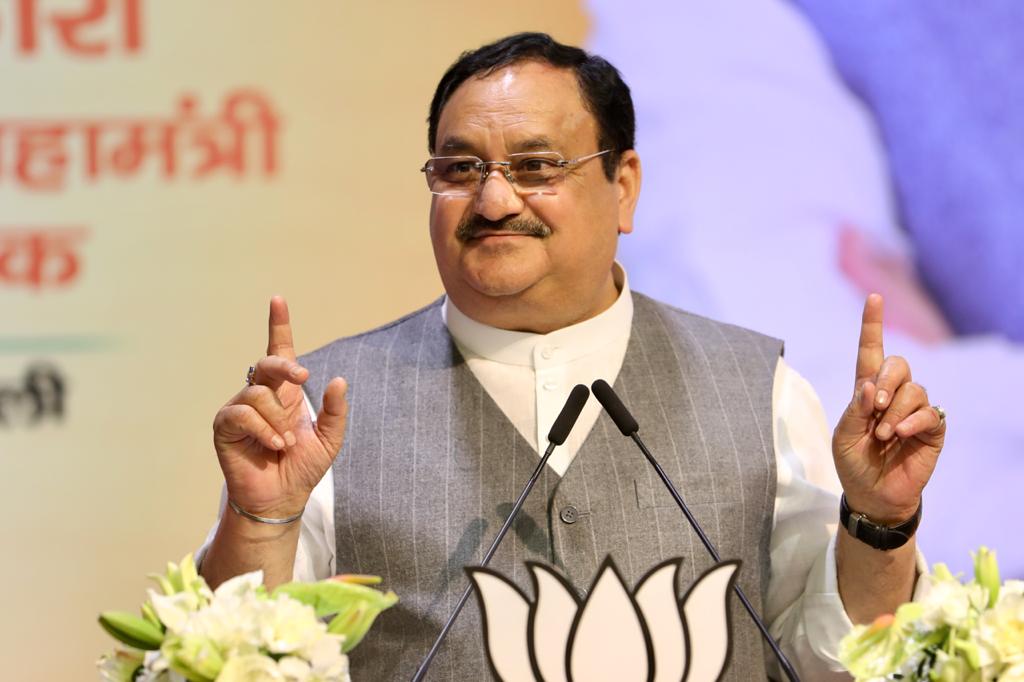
[471,226]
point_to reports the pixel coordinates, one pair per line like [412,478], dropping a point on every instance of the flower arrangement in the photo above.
[969,632]
[240,631]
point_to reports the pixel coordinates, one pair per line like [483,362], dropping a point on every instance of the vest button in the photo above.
[569,514]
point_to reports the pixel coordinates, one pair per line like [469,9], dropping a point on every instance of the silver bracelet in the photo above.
[264,519]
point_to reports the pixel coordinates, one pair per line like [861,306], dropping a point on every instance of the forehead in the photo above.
[521,107]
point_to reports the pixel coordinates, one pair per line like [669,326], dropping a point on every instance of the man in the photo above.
[534,176]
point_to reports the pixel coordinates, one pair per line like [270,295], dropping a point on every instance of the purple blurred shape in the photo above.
[943,80]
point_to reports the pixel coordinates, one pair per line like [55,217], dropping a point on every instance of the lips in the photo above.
[484,234]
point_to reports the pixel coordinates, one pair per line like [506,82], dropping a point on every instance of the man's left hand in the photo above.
[889,438]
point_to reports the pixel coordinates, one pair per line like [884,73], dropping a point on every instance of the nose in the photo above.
[497,197]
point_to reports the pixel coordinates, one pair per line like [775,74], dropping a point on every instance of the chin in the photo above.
[503,276]
[497,287]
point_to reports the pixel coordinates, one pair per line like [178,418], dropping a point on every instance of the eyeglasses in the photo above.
[528,173]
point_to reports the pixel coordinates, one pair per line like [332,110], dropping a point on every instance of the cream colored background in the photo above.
[177,275]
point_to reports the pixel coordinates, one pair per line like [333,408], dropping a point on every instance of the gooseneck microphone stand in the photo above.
[628,425]
[559,432]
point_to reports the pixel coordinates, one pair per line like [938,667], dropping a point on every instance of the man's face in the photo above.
[532,262]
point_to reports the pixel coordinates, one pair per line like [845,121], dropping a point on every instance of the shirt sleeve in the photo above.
[803,608]
[315,554]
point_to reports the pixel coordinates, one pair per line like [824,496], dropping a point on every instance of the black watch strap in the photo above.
[874,534]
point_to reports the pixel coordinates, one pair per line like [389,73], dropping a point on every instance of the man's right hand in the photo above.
[271,452]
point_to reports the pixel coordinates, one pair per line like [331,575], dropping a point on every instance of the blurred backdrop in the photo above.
[167,167]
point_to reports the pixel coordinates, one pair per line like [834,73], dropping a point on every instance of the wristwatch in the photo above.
[874,534]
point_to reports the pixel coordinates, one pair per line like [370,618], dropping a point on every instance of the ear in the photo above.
[627,179]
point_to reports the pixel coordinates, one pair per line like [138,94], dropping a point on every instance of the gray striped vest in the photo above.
[431,466]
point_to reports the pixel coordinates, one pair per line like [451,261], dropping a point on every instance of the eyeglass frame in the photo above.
[505,167]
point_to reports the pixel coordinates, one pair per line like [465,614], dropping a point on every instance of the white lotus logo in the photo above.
[648,635]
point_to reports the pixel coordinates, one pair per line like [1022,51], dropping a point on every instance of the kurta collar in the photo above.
[539,350]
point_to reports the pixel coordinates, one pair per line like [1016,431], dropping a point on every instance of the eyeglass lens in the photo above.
[529,173]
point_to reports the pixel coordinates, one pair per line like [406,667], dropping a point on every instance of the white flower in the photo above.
[956,633]
[234,634]
[240,586]
[162,676]
[1013,674]
[287,626]
[948,603]
[575,642]
[295,669]
[326,660]
[251,668]
[173,610]
[1001,632]
[231,623]
[1012,587]
[298,670]
[155,670]
[121,666]
[255,668]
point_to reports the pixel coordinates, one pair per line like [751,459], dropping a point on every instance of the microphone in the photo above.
[628,425]
[556,436]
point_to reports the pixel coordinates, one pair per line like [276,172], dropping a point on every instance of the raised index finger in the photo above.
[870,352]
[280,330]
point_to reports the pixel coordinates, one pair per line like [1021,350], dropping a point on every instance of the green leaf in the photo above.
[189,573]
[328,597]
[196,657]
[131,630]
[149,613]
[986,573]
[165,585]
[941,572]
[353,623]
[353,606]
